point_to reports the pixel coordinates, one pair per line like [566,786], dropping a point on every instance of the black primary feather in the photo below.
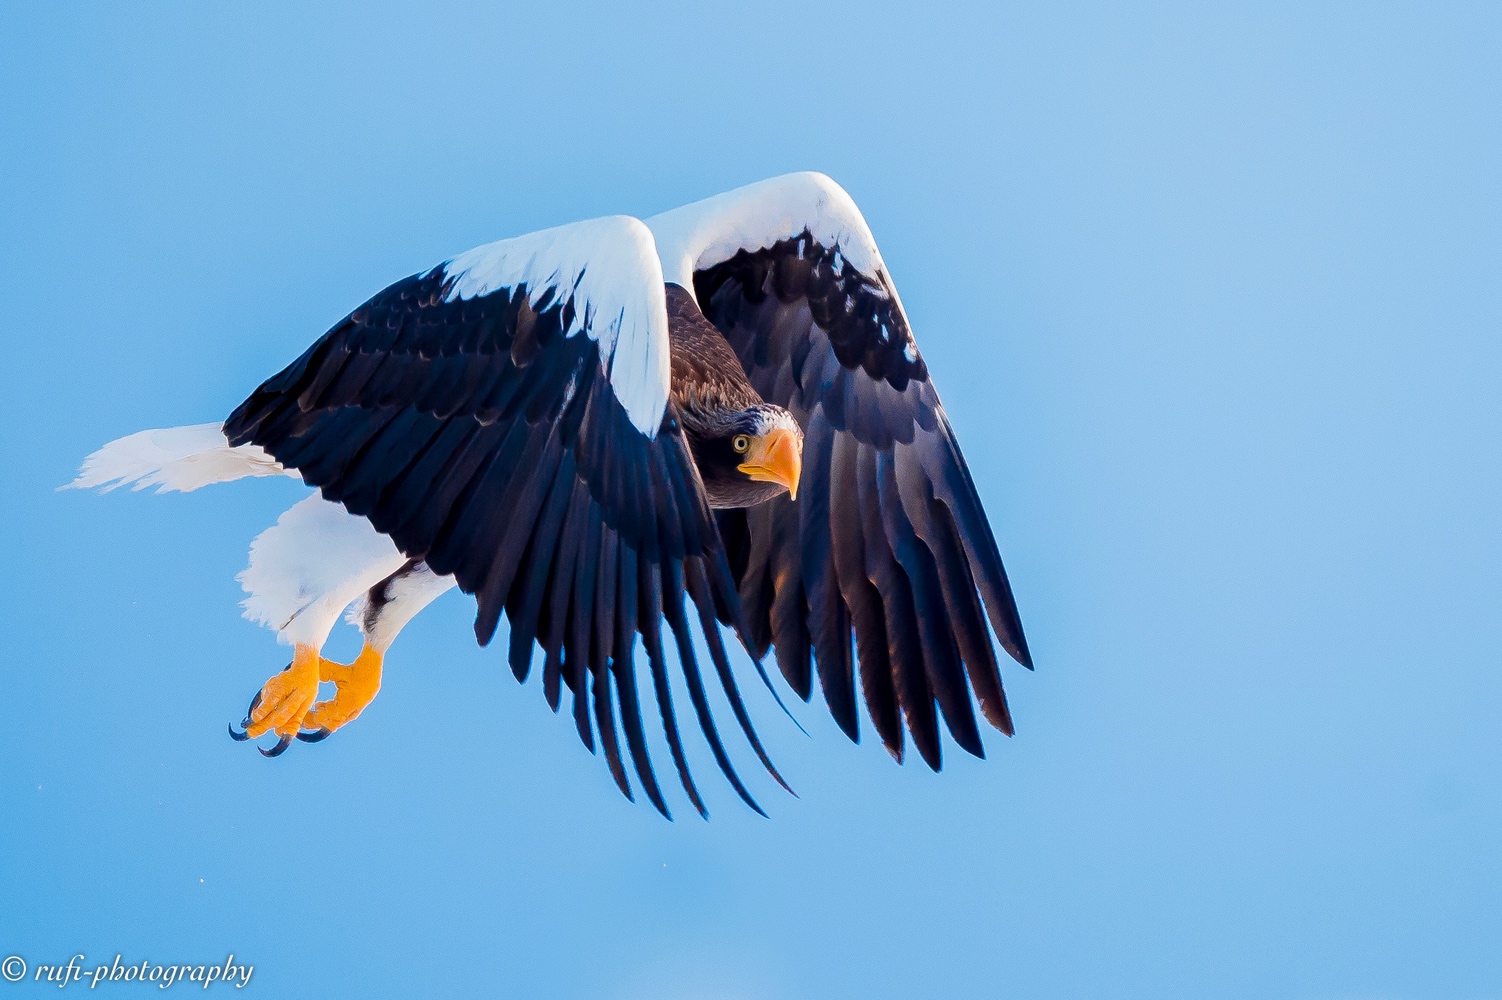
[887,542]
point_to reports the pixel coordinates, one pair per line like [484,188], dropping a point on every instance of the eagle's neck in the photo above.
[709,386]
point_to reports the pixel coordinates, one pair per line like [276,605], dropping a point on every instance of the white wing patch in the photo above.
[174,459]
[609,267]
[758,215]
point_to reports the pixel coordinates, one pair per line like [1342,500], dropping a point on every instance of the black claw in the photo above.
[276,751]
[242,736]
[245,723]
[315,736]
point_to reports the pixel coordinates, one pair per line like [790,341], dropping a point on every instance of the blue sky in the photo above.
[1213,301]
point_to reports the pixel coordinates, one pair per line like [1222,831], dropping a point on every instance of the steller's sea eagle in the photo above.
[584,426]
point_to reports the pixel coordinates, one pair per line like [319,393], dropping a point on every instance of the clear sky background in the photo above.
[1213,300]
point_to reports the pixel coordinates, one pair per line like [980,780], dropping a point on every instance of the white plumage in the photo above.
[611,269]
[758,215]
[174,459]
[406,595]
[615,268]
[304,570]
[307,568]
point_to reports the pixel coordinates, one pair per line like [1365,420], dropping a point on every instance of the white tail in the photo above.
[174,458]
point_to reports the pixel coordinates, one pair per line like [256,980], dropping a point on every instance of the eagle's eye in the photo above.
[740,443]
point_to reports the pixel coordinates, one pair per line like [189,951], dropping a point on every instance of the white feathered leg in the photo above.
[309,567]
[388,606]
[380,614]
[304,571]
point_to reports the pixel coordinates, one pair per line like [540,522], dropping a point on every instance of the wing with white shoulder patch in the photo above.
[505,419]
[758,216]
[607,273]
[887,552]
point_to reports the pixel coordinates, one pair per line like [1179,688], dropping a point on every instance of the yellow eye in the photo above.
[740,443]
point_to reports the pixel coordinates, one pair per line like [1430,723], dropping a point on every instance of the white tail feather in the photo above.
[174,458]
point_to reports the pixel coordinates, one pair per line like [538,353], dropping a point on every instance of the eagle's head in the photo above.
[746,457]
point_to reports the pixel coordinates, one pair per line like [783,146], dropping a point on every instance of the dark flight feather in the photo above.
[887,543]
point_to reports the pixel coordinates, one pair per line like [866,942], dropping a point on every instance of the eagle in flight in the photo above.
[717,412]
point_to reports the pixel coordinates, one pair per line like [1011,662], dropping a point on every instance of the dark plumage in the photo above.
[890,544]
[719,407]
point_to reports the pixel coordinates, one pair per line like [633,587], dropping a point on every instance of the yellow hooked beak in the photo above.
[775,458]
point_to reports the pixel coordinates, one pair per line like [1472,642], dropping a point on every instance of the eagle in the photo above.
[719,413]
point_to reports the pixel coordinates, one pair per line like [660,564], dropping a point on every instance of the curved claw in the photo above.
[242,736]
[276,751]
[315,736]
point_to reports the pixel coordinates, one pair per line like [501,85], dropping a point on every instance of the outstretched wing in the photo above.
[887,540]
[505,418]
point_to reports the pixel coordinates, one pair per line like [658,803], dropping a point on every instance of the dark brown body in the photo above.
[707,377]
[716,402]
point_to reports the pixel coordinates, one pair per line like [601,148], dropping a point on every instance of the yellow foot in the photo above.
[286,704]
[357,686]
[284,701]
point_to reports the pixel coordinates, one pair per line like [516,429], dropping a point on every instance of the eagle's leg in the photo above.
[383,612]
[304,571]
[288,703]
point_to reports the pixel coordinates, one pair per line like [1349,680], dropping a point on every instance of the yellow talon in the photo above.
[357,683]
